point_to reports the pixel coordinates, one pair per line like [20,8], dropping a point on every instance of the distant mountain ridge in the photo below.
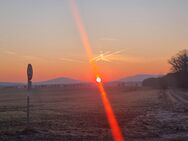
[138,77]
[59,80]
[66,80]
[10,84]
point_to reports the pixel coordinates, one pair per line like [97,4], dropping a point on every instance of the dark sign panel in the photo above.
[29,72]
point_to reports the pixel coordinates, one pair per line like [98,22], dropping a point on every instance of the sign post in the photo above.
[29,86]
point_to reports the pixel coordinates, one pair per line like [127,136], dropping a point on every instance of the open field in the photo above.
[78,114]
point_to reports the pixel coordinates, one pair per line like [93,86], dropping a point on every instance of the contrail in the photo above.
[116,132]
[99,56]
[104,56]
[113,53]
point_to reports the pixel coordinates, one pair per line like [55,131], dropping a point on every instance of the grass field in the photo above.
[59,114]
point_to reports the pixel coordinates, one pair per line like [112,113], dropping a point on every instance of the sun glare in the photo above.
[98,79]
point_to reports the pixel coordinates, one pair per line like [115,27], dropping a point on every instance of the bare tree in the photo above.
[180,62]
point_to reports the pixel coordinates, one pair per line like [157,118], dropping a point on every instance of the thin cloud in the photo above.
[30,57]
[10,52]
[131,59]
[71,60]
[109,39]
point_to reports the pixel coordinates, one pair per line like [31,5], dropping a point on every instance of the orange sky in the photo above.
[42,33]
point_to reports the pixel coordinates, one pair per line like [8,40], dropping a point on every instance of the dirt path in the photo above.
[175,97]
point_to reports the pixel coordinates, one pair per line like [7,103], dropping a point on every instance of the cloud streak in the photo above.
[71,60]
[10,52]
[109,39]
[29,57]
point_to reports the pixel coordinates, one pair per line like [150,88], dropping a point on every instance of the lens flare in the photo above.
[116,132]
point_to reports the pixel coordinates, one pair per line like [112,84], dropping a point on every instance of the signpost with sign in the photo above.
[29,76]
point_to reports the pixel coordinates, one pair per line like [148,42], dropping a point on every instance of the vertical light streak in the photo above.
[116,132]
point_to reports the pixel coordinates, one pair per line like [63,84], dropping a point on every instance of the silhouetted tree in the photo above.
[180,68]
[177,78]
[180,62]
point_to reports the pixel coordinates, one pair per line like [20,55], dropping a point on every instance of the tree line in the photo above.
[177,77]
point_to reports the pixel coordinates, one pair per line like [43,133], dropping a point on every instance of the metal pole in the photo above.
[28,103]
[29,76]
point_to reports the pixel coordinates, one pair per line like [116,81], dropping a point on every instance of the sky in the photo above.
[127,37]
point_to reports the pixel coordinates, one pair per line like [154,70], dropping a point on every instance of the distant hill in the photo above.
[9,84]
[60,80]
[138,78]
[66,80]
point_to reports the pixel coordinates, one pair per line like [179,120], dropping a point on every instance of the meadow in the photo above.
[76,114]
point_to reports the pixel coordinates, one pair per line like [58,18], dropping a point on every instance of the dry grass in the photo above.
[78,114]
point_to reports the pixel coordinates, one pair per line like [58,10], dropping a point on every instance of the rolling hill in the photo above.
[60,80]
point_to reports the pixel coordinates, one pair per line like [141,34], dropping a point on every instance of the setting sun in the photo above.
[98,79]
